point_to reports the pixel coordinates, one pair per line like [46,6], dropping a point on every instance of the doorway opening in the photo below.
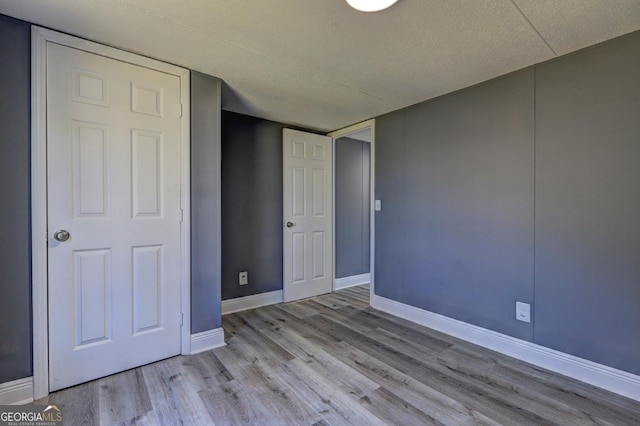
[354,204]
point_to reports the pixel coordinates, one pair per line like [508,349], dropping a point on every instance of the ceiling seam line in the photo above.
[534,28]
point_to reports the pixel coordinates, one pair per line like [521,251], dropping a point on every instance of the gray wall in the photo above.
[15,237]
[205,204]
[251,204]
[588,204]
[352,209]
[457,204]
[550,155]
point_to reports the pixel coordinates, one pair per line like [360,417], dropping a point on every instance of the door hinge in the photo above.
[180,110]
[180,319]
[180,215]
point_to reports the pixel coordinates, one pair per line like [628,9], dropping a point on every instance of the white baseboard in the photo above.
[207,340]
[249,302]
[352,281]
[614,380]
[17,392]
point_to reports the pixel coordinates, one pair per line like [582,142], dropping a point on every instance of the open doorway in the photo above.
[353,205]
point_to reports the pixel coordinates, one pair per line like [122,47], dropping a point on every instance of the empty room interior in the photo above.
[321,212]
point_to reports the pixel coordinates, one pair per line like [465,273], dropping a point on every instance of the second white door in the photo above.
[113,173]
[308,232]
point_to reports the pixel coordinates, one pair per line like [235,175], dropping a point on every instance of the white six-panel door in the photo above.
[308,235]
[113,173]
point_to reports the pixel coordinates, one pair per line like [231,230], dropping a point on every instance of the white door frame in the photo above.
[369,124]
[39,283]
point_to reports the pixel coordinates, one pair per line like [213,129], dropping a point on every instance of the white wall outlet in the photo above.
[378,205]
[523,312]
[243,278]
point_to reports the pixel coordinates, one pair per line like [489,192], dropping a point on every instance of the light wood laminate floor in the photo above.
[332,360]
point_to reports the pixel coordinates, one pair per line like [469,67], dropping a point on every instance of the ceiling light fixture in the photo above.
[370,5]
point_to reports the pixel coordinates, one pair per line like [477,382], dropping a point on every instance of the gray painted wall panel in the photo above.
[456,177]
[352,195]
[468,201]
[205,208]
[365,223]
[588,204]
[251,204]
[15,237]
[391,188]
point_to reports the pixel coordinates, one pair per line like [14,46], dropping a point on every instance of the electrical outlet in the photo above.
[523,312]
[243,278]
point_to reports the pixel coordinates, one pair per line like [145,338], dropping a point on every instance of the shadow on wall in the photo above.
[251,204]
[15,225]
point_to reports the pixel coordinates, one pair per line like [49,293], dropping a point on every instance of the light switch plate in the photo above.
[243,278]
[378,205]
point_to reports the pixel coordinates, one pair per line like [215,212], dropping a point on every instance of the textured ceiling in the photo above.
[322,65]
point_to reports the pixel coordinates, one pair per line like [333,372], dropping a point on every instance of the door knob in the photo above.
[290,224]
[62,235]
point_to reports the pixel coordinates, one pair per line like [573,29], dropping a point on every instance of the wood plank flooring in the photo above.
[332,360]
